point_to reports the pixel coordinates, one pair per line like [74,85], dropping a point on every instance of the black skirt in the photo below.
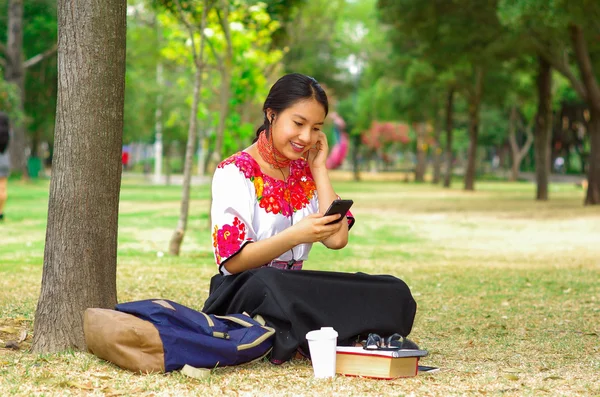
[296,302]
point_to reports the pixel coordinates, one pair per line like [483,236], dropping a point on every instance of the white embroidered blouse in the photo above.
[249,206]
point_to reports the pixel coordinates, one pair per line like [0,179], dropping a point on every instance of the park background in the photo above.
[467,133]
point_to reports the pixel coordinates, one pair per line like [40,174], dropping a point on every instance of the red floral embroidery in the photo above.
[271,193]
[244,162]
[228,239]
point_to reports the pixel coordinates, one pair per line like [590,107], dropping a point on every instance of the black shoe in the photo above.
[1,217]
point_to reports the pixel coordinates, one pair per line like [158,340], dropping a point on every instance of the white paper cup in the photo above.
[322,344]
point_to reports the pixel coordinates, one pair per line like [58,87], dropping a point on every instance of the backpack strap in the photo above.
[246,321]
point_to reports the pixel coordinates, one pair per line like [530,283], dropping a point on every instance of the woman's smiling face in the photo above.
[296,129]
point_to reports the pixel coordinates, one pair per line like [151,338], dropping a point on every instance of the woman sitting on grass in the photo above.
[267,211]
[275,192]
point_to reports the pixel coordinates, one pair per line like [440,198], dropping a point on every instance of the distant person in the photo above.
[4,160]
[559,165]
[125,158]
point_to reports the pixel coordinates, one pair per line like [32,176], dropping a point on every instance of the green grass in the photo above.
[507,290]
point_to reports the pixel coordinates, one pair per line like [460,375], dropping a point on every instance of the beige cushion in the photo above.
[123,339]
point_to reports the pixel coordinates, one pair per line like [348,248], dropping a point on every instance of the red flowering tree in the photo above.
[383,138]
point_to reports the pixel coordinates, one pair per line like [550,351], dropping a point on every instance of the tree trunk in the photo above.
[474,105]
[355,148]
[179,233]
[592,91]
[80,256]
[168,168]
[436,149]
[543,128]
[15,74]
[421,131]
[517,153]
[593,192]
[449,127]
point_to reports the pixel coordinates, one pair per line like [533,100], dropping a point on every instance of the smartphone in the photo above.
[339,207]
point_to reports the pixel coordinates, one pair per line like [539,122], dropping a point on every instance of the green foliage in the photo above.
[9,101]
[167,40]
[544,25]
[141,87]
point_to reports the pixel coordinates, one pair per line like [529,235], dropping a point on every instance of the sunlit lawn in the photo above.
[507,289]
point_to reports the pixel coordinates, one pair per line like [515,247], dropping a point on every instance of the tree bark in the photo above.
[543,128]
[517,153]
[449,127]
[474,105]
[15,74]
[421,130]
[593,192]
[179,233]
[355,148]
[80,255]
[592,90]
[436,150]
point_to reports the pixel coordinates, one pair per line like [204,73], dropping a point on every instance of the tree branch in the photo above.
[189,28]
[582,55]
[224,22]
[214,52]
[560,63]
[529,141]
[198,58]
[40,57]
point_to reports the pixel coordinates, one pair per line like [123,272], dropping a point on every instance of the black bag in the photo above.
[296,302]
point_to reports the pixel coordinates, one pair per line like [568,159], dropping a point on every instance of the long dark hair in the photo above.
[289,90]
[4,132]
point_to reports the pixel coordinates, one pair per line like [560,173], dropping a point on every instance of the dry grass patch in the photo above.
[507,292]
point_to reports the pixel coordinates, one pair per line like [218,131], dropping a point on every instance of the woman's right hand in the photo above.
[314,228]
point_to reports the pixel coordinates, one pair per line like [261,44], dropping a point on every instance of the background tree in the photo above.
[80,255]
[565,37]
[463,36]
[15,65]
[198,59]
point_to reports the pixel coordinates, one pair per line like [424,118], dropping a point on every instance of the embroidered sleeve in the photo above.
[350,218]
[231,213]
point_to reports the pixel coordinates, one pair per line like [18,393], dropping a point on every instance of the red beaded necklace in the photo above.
[269,152]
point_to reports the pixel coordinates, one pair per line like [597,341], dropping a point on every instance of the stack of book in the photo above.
[381,364]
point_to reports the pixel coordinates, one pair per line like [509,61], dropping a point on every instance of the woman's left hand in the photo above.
[317,155]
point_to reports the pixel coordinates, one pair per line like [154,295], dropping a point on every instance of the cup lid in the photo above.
[323,333]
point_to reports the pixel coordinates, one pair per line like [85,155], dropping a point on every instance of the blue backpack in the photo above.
[159,335]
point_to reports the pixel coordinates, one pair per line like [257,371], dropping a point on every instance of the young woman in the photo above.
[268,210]
[275,192]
